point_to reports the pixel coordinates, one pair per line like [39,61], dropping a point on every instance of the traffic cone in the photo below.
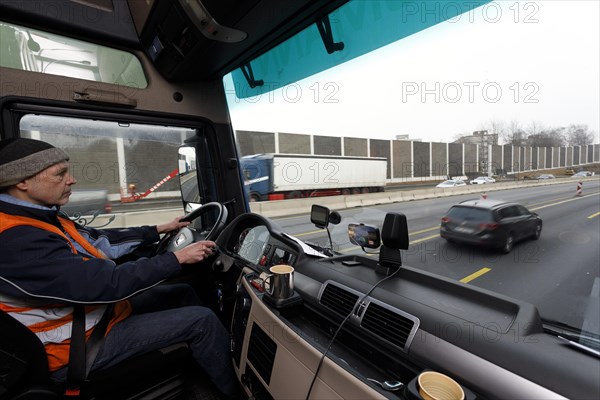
[483,196]
[579,191]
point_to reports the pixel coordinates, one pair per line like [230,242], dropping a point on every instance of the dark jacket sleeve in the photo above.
[144,234]
[118,242]
[41,264]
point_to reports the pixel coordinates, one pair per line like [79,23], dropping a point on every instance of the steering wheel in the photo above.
[177,240]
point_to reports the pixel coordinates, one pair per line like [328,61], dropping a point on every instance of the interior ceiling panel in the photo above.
[265,22]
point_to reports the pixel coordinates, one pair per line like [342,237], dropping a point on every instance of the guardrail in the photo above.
[282,208]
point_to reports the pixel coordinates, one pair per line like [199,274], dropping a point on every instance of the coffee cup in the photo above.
[281,281]
[437,386]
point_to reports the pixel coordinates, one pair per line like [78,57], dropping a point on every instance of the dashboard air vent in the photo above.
[389,325]
[261,353]
[338,299]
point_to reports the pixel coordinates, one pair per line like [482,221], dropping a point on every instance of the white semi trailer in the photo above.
[285,176]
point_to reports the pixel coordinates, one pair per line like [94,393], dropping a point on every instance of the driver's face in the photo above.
[50,187]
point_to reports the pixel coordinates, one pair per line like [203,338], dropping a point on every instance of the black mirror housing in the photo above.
[319,215]
[395,231]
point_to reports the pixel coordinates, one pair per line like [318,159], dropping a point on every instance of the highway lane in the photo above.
[563,266]
[560,273]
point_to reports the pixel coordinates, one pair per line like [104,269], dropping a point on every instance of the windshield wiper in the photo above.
[586,341]
[580,346]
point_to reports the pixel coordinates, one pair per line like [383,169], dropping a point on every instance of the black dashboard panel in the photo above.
[256,242]
[460,301]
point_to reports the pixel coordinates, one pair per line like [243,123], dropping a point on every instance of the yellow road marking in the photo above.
[425,238]
[550,201]
[425,230]
[474,275]
[564,201]
[594,215]
[309,233]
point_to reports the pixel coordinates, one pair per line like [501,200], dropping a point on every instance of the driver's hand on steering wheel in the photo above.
[195,252]
[174,225]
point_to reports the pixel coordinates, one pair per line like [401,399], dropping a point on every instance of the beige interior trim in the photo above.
[484,377]
[296,361]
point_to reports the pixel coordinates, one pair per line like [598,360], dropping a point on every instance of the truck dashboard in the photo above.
[394,327]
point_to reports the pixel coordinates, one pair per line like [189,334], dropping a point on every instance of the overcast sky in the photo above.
[532,62]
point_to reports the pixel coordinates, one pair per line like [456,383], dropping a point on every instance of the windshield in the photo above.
[508,90]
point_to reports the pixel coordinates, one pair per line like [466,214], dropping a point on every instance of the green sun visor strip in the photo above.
[356,28]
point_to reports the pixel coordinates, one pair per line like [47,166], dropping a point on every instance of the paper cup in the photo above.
[436,386]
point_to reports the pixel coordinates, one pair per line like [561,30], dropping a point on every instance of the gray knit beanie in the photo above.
[22,158]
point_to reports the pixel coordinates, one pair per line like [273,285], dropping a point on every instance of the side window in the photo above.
[117,165]
[497,215]
[523,211]
[508,212]
[514,211]
[501,213]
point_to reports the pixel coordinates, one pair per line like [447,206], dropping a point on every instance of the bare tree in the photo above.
[535,134]
[514,134]
[553,137]
[579,135]
[534,128]
[496,128]
[463,138]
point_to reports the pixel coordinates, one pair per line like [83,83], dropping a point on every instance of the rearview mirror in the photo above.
[364,235]
[188,179]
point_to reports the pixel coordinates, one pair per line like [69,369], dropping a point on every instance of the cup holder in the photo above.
[411,391]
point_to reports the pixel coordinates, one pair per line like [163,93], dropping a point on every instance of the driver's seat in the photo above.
[24,370]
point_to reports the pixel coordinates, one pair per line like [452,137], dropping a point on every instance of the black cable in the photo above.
[330,241]
[367,253]
[340,328]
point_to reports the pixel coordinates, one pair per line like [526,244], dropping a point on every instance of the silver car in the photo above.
[481,180]
[451,183]
[546,176]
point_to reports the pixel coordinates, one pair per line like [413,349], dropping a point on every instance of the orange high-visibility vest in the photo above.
[52,323]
